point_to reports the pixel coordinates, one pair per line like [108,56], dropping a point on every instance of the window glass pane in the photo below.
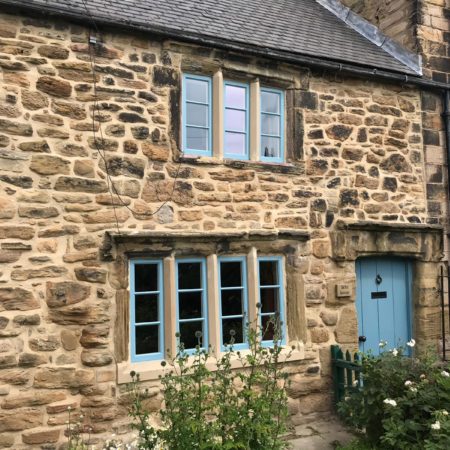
[197,91]
[268,328]
[235,120]
[235,97]
[270,124]
[145,277]
[268,273]
[190,305]
[187,334]
[146,308]
[235,143]
[189,275]
[269,300]
[270,147]
[232,302]
[147,340]
[197,138]
[270,102]
[197,115]
[230,274]
[232,328]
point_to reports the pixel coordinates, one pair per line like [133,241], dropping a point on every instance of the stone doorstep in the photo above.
[322,434]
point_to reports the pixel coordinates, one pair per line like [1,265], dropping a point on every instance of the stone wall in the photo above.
[355,155]
[396,18]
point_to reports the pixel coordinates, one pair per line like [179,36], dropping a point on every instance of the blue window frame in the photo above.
[271,297]
[191,292]
[147,310]
[197,115]
[236,117]
[233,301]
[272,125]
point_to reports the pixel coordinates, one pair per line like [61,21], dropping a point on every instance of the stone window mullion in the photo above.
[255,123]
[218,115]
[213,303]
[252,285]
[170,306]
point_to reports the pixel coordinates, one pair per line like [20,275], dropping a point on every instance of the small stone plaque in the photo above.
[343,290]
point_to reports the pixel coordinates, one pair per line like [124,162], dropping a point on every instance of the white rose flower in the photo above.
[408,383]
[445,374]
[355,383]
[411,343]
[395,352]
[436,425]
[445,412]
[382,344]
[389,401]
[413,389]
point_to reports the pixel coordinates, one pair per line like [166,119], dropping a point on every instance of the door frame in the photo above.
[409,292]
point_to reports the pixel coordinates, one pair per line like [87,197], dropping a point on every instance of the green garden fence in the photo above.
[346,370]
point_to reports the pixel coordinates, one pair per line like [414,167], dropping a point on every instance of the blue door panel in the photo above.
[383,302]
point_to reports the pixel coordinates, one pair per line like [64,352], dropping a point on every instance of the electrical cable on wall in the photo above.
[98,145]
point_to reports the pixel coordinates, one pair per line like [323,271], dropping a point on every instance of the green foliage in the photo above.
[224,408]
[402,402]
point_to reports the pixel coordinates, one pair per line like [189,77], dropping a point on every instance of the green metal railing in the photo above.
[346,370]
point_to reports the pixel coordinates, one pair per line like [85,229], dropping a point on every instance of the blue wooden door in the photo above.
[383,302]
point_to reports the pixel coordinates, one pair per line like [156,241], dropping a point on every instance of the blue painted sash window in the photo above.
[197,115]
[192,302]
[147,323]
[236,142]
[272,125]
[271,296]
[233,304]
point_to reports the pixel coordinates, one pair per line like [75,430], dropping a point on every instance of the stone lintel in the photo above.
[284,168]
[384,226]
[169,239]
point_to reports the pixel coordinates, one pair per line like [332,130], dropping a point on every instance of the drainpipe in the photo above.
[446,117]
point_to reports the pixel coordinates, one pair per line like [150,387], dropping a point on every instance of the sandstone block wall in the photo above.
[356,153]
[396,18]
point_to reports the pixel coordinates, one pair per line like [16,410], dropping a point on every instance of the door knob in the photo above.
[362,339]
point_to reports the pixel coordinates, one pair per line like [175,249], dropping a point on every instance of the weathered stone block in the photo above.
[54,86]
[44,436]
[21,419]
[17,299]
[15,128]
[72,184]
[93,358]
[44,344]
[31,360]
[33,100]
[91,274]
[347,326]
[44,272]
[38,213]
[66,293]
[63,378]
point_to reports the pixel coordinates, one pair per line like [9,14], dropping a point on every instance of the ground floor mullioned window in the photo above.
[214,298]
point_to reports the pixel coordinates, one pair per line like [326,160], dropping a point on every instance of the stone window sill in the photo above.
[152,370]
[242,164]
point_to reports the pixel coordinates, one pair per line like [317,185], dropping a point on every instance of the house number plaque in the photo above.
[343,290]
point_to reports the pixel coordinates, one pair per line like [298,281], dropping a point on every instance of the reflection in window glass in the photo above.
[236,121]
[270,296]
[146,310]
[271,125]
[233,301]
[191,295]
[197,114]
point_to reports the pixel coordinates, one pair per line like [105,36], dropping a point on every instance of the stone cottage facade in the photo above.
[98,195]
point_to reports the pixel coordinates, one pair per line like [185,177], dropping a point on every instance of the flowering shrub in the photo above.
[401,402]
[220,409]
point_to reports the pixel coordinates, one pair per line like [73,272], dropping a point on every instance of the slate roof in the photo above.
[298,27]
